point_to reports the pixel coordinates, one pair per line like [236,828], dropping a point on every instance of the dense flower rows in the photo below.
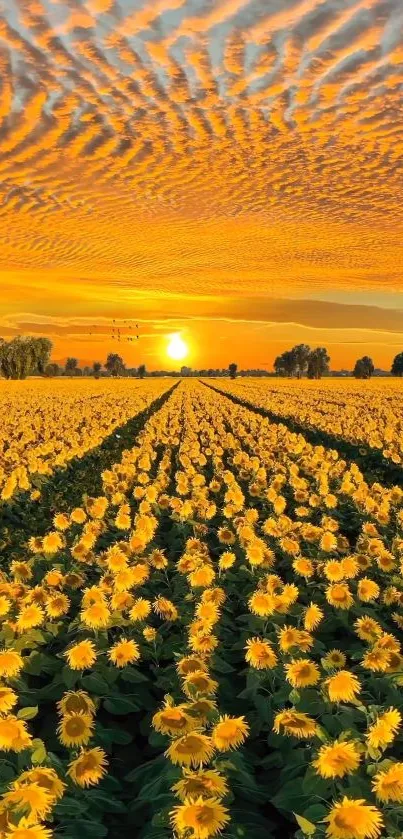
[47,423]
[367,413]
[212,645]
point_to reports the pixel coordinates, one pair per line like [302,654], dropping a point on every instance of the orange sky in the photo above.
[226,169]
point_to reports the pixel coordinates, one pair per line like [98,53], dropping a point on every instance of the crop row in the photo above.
[46,424]
[369,414]
[210,645]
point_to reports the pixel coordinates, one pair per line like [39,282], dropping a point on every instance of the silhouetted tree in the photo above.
[397,365]
[71,366]
[24,356]
[114,364]
[232,369]
[284,364]
[318,363]
[52,370]
[364,368]
[96,368]
[141,372]
[41,349]
[301,353]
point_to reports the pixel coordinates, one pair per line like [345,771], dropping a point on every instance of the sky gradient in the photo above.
[227,169]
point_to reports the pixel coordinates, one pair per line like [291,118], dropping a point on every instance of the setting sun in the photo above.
[177,349]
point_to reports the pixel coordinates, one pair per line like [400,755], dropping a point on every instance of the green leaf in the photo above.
[130,674]
[306,826]
[28,713]
[315,813]
[33,664]
[105,802]
[120,705]
[39,754]
[70,677]
[70,807]
[95,684]
[86,830]
[222,666]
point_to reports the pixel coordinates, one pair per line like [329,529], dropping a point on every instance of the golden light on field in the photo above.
[202,161]
[177,349]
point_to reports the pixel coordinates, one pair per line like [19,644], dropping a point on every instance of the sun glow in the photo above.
[177,349]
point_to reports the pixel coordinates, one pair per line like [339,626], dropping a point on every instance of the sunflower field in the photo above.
[201,614]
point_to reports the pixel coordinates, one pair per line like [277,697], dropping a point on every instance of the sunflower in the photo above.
[334,571]
[202,577]
[45,778]
[203,782]
[96,616]
[199,682]
[61,521]
[174,719]
[57,605]
[205,817]
[313,616]
[304,567]
[52,543]
[334,660]
[140,609]
[75,702]
[88,769]
[213,595]
[367,590]
[343,687]
[339,596]
[13,734]
[261,604]
[31,798]
[5,605]
[78,515]
[376,660]
[226,536]
[192,749]
[202,708]
[388,784]
[260,654]
[291,638]
[229,732]
[190,664]
[383,731]
[81,656]
[149,633]
[8,698]
[367,628]
[328,542]
[208,612]
[76,729]
[337,759]
[353,819]
[29,617]
[295,723]
[203,642]
[302,673]
[121,600]
[26,829]
[165,609]
[350,567]
[227,560]
[124,652]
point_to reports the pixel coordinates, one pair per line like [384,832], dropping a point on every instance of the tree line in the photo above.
[113,366]
[301,360]
[28,356]
[22,357]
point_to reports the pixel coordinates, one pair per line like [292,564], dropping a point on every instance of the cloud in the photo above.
[197,160]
